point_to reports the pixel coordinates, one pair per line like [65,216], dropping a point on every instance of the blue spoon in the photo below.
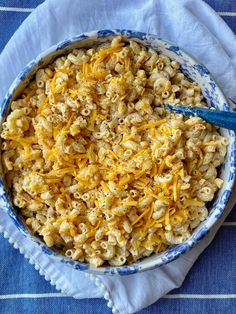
[224,119]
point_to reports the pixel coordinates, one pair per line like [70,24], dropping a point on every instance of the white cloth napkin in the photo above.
[192,25]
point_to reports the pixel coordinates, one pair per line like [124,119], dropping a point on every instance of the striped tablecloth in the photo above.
[210,287]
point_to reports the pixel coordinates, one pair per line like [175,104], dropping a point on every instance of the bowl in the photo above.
[214,97]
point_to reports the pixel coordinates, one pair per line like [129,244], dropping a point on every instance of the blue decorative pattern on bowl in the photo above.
[214,97]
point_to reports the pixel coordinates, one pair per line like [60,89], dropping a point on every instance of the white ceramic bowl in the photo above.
[214,97]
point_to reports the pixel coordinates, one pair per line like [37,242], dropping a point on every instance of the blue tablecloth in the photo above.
[210,287]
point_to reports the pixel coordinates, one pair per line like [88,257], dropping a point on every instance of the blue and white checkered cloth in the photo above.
[210,286]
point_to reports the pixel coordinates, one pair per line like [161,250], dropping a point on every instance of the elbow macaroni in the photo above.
[98,167]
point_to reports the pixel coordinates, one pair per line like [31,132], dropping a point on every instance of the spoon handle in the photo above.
[224,119]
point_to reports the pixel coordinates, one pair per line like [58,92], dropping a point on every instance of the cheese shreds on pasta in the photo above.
[97,166]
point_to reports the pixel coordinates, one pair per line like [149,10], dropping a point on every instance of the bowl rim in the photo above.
[175,251]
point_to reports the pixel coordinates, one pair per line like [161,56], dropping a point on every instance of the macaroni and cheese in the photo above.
[98,167]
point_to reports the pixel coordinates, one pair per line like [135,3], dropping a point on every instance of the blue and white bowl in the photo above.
[214,97]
